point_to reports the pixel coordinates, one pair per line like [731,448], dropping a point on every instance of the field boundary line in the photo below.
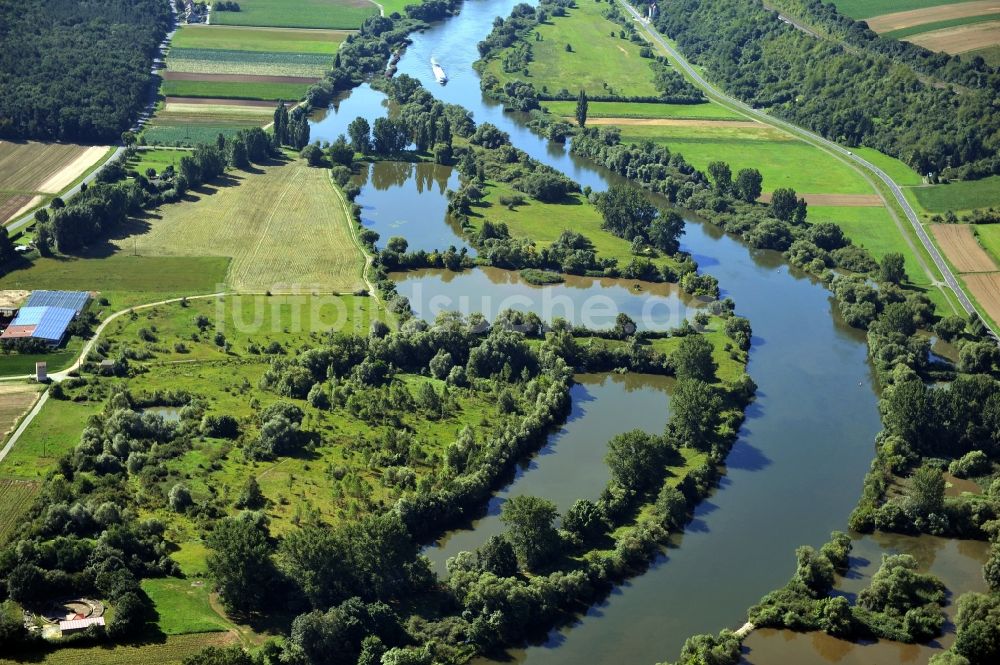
[352,227]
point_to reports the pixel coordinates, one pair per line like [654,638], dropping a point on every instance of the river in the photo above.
[794,474]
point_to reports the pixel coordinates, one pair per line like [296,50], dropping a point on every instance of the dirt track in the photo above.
[844,200]
[961,39]
[962,249]
[671,122]
[900,20]
[237,78]
[986,288]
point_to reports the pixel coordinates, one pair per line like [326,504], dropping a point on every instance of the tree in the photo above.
[180,498]
[978,628]
[991,569]
[693,359]
[313,155]
[927,491]
[389,136]
[360,133]
[240,562]
[340,152]
[626,211]
[637,460]
[722,176]
[497,556]
[666,230]
[238,154]
[281,123]
[251,497]
[586,520]
[530,529]
[814,571]
[231,655]
[672,506]
[694,414]
[581,109]
[784,203]
[748,186]
[892,269]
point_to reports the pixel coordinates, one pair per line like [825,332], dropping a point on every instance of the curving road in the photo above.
[714,93]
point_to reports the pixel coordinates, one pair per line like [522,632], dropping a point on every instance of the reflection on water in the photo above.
[364,101]
[571,465]
[959,564]
[408,200]
[594,302]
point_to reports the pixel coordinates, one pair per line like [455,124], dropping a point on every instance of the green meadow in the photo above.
[234,90]
[860,9]
[182,606]
[336,14]
[155,159]
[705,111]
[989,238]
[267,40]
[960,195]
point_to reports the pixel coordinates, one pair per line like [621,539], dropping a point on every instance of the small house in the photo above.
[76,625]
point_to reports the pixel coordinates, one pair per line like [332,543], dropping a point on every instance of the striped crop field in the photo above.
[262,40]
[248,62]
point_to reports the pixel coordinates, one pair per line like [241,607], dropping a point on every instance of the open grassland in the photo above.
[189,128]
[781,159]
[959,244]
[990,54]
[875,230]
[902,20]
[170,651]
[863,9]
[16,399]
[960,39]
[15,499]
[283,227]
[895,168]
[157,159]
[53,433]
[268,40]
[595,62]
[544,222]
[23,364]
[706,111]
[33,167]
[959,195]
[989,237]
[234,89]
[183,607]
[337,14]
[248,62]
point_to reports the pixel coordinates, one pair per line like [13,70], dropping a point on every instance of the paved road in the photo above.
[896,191]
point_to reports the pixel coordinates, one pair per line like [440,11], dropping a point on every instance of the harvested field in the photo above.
[961,39]
[285,229]
[15,400]
[237,78]
[33,167]
[15,499]
[13,205]
[843,200]
[220,101]
[913,17]
[985,287]
[961,247]
[672,122]
[221,112]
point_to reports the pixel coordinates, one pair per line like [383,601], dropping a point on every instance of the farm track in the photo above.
[834,148]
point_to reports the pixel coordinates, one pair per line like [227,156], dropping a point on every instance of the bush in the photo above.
[974,463]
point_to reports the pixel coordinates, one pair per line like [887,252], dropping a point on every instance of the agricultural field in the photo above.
[599,65]
[16,399]
[989,238]
[32,172]
[235,89]
[15,498]
[261,40]
[200,60]
[959,243]
[185,124]
[284,227]
[985,288]
[705,111]
[960,39]
[335,14]
[783,160]
[170,651]
[864,9]
[960,195]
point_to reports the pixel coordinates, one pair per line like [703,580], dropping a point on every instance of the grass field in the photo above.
[873,229]
[171,651]
[989,237]
[781,159]
[53,432]
[338,14]
[183,608]
[22,364]
[596,60]
[990,54]
[960,195]
[896,169]
[234,90]
[247,62]
[283,227]
[860,9]
[15,499]
[706,111]
[155,159]
[190,129]
[268,40]
[544,222]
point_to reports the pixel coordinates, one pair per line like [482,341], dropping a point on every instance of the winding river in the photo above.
[793,476]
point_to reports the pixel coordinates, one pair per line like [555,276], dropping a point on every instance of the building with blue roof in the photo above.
[46,316]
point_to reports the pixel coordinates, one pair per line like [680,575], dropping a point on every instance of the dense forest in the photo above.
[76,70]
[853,95]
